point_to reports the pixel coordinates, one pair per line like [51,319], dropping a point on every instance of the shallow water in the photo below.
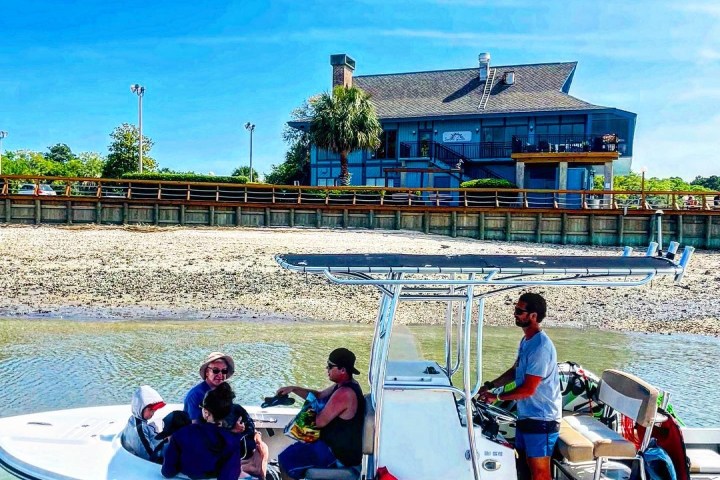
[48,365]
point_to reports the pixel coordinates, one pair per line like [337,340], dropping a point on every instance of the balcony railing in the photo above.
[519,144]
[262,195]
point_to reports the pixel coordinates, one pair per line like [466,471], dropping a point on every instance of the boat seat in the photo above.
[703,460]
[585,439]
[368,447]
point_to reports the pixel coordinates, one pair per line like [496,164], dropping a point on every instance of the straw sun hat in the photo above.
[213,357]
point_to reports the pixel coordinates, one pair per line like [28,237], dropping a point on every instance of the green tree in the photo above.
[59,153]
[712,182]
[86,164]
[124,152]
[343,122]
[244,171]
[296,166]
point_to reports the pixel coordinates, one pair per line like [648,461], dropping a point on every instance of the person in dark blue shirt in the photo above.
[209,449]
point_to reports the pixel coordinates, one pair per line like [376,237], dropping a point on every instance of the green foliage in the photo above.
[712,182]
[184,177]
[59,153]
[633,181]
[124,152]
[244,171]
[296,166]
[488,183]
[343,122]
[27,162]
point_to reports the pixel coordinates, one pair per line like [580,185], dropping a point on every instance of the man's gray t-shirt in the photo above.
[538,357]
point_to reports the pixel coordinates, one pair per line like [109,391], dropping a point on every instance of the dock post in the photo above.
[156,214]
[182,214]
[69,213]
[453,224]
[238,216]
[538,230]
[38,212]
[426,222]
[481,226]
[563,229]
[591,228]
[8,210]
[680,228]
[126,213]
[398,220]
[318,218]
[98,212]
[708,230]
[345,218]
[292,217]
[508,227]
[621,230]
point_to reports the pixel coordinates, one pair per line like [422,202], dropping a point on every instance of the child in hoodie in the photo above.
[139,434]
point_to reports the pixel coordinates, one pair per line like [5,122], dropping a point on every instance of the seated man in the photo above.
[340,421]
[214,370]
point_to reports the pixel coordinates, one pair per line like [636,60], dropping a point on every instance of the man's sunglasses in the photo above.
[520,311]
[215,371]
[330,366]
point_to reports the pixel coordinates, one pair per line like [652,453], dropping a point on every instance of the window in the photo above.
[378,182]
[388,145]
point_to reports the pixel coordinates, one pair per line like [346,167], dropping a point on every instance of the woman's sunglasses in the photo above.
[215,371]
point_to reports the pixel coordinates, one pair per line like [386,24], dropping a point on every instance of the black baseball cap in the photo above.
[344,358]
[173,422]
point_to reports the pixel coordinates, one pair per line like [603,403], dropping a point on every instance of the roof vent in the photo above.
[509,78]
[484,60]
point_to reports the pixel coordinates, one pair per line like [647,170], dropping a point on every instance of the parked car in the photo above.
[30,189]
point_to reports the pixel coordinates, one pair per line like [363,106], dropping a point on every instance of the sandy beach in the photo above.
[90,272]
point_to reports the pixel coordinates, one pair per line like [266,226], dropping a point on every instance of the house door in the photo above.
[425,143]
[576,180]
[540,177]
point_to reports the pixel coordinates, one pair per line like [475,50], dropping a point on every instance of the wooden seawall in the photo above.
[562,217]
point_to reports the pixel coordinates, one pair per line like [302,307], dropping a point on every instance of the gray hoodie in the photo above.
[138,437]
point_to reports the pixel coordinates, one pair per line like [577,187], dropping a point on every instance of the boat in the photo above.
[419,424]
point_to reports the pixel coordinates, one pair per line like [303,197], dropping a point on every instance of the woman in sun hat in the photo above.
[215,369]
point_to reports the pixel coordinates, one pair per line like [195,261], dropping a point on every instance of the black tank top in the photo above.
[344,437]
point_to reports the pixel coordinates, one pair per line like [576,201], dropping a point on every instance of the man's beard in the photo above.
[524,324]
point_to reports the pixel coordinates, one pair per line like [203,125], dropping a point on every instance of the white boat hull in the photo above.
[84,443]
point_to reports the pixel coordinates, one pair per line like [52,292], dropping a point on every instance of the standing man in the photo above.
[214,370]
[340,421]
[537,389]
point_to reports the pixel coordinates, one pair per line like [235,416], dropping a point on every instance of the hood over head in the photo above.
[144,396]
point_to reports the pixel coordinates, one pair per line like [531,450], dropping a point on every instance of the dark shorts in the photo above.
[536,438]
[299,457]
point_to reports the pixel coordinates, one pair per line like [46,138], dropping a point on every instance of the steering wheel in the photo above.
[500,415]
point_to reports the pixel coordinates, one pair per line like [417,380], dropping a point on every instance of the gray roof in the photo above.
[537,88]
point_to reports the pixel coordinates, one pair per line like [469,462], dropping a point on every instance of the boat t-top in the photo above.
[420,424]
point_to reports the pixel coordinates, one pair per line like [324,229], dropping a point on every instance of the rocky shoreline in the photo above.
[138,272]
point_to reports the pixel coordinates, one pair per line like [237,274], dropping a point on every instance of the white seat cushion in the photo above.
[703,460]
[606,442]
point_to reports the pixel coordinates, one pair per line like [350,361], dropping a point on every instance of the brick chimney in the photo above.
[343,67]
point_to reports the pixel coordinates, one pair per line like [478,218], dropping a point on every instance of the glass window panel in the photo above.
[573,119]
[516,121]
[391,144]
[578,129]
[554,129]
[566,129]
[490,122]
[549,120]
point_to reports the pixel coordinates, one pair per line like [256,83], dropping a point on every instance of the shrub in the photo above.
[488,183]
[185,177]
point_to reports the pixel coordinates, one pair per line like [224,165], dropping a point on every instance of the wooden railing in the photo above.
[118,190]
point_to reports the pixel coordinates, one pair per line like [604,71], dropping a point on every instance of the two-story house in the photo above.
[516,122]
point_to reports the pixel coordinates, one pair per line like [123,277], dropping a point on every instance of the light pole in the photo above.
[250,127]
[642,186]
[3,134]
[139,90]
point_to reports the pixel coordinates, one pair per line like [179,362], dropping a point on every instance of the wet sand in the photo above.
[197,273]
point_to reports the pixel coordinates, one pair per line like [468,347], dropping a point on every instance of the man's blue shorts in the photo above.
[536,445]
[299,457]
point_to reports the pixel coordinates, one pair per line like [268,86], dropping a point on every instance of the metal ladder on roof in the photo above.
[488,88]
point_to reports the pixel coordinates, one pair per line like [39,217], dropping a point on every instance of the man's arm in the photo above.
[301,392]
[527,389]
[192,406]
[342,401]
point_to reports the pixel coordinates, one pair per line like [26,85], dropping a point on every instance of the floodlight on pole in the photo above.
[139,90]
[3,134]
[250,127]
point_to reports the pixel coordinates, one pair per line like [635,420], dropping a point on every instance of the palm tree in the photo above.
[343,122]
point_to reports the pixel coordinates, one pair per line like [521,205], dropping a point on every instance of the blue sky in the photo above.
[209,67]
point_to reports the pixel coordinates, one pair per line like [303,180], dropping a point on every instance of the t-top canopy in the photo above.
[499,264]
